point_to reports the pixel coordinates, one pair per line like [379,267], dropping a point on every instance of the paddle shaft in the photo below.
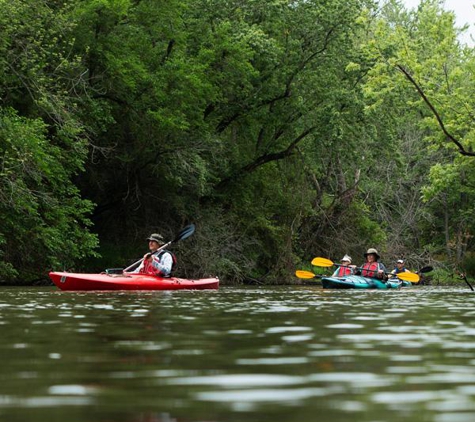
[324,262]
[403,275]
[131,267]
[186,232]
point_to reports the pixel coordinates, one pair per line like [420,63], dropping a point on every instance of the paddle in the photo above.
[426,269]
[306,274]
[184,233]
[322,262]
[406,276]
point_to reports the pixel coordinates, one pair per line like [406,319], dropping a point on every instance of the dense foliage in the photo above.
[282,129]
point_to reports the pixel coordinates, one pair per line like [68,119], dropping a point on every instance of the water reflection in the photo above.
[238,354]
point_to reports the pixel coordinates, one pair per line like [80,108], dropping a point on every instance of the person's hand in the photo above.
[147,256]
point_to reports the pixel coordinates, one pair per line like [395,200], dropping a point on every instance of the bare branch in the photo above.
[421,92]
[266,158]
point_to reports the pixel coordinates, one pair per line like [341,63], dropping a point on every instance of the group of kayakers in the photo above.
[161,262]
[370,268]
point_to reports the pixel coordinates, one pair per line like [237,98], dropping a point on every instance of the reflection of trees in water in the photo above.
[157,417]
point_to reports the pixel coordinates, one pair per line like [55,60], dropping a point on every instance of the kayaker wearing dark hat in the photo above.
[372,267]
[157,262]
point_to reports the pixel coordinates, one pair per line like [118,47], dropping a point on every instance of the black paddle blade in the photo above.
[186,232]
[427,269]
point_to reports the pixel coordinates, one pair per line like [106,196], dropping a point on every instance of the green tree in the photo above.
[206,116]
[422,70]
[42,143]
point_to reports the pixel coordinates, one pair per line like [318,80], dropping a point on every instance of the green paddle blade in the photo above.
[304,274]
[322,262]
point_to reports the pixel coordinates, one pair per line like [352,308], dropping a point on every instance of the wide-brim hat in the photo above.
[156,237]
[372,251]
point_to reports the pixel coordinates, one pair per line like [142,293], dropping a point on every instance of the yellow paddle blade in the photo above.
[408,276]
[304,274]
[322,262]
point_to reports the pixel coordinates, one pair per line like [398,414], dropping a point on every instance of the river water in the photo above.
[286,354]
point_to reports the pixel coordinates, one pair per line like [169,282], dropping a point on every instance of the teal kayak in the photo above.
[360,282]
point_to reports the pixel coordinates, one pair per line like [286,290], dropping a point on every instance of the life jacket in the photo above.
[342,271]
[370,269]
[159,256]
[148,267]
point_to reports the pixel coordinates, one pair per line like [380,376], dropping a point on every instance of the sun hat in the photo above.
[372,251]
[156,237]
[346,258]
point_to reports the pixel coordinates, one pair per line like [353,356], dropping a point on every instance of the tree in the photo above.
[42,143]
[417,55]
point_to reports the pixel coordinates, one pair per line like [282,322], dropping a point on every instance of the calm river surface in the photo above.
[280,354]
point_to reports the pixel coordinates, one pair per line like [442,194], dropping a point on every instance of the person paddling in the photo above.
[400,268]
[344,269]
[157,262]
[372,267]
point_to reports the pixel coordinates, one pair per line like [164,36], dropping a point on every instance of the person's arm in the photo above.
[163,265]
[139,267]
[382,271]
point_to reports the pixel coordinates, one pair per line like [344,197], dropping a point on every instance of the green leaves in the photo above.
[43,218]
[286,124]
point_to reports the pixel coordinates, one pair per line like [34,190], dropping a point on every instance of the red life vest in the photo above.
[370,269]
[148,267]
[342,271]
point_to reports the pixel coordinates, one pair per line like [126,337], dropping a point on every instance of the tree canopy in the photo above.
[282,129]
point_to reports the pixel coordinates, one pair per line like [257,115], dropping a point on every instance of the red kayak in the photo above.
[128,281]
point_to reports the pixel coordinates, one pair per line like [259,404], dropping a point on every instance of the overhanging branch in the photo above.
[265,158]
[421,92]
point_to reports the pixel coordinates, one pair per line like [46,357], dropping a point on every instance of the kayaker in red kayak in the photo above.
[157,262]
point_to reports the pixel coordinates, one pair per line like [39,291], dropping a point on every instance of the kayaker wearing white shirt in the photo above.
[157,262]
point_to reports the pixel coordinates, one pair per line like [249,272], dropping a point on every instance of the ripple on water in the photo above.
[346,326]
[394,356]
[332,353]
[245,400]
[455,417]
[355,379]
[273,361]
[239,380]
[286,329]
